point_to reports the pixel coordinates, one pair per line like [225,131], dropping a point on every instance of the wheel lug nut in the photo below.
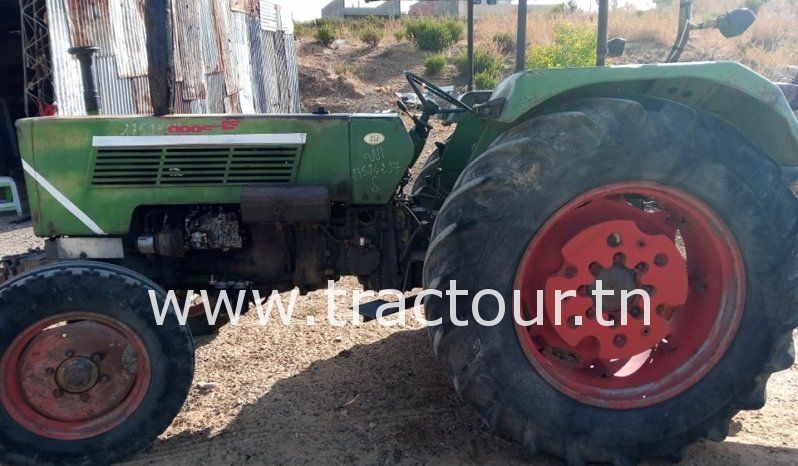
[85,397]
[69,353]
[619,258]
[104,378]
[49,371]
[594,267]
[572,322]
[661,260]
[641,267]
[97,357]
[614,240]
[619,341]
[57,393]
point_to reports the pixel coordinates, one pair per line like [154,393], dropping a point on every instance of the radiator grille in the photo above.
[187,166]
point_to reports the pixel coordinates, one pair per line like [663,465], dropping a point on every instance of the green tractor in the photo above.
[667,177]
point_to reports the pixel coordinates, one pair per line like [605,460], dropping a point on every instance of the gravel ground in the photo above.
[16,238]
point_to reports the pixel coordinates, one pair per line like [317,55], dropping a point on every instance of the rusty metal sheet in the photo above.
[244,6]
[199,107]
[129,37]
[284,82]
[227,46]
[232,104]
[180,105]
[293,75]
[216,93]
[66,70]
[211,47]
[90,24]
[224,61]
[239,33]
[189,41]
[116,94]
[269,16]
[286,17]
[141,95]
[177,59]
[265,79]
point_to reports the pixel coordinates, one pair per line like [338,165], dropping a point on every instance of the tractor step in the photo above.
[369,310]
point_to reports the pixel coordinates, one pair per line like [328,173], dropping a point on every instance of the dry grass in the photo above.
[770,45]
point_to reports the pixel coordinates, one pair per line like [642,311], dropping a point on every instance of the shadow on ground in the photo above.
[335,412]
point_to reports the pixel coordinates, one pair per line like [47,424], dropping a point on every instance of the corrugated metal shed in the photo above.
[230,56]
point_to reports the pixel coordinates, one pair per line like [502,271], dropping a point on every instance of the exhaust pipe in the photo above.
[91,94]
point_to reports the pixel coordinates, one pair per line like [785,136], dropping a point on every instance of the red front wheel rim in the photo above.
[633,235]
[74,376]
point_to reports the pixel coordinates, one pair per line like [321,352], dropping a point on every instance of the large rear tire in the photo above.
[87,375]
[674,178]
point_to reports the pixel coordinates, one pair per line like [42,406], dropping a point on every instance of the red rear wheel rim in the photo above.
[632,235]
[74,376]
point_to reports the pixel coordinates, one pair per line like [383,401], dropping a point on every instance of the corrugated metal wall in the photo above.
[230,56]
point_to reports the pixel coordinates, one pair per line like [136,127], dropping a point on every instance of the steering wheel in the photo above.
[417,83]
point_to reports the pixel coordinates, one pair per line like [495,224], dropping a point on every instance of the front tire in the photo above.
[620,164]
[88,376]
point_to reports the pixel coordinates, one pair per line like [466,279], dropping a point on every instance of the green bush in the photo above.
[433,34]
[455,28]
[326,34]
[303,30]
[505,41]
[371,22]
[487,80]
[564,8]
[485,60]
[574,46]
[435,64]
[372,36]
[337,23]
[400,35]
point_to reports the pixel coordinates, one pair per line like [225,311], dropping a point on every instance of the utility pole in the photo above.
[520,49]
[603,31]
[471,44]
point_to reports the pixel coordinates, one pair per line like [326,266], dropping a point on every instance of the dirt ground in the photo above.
[365,394]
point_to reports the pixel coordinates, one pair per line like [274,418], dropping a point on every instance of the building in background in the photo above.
[360,8]
[460,8]
[229,56]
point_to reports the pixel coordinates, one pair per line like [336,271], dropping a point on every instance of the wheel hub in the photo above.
[632,236]
[616,279]
[74,376]
[77,375]
[602,252]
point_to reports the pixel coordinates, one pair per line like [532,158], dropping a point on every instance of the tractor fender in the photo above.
[728,90]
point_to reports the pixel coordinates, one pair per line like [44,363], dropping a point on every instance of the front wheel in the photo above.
[646,195]
[87,375]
